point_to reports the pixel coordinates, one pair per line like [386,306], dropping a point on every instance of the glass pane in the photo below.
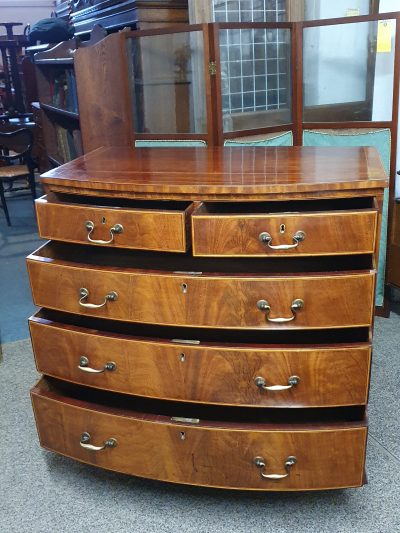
[249,10]
[348,72]
[255,78]
[321,9]
[168,85]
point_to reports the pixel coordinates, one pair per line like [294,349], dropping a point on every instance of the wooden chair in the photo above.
[16,153]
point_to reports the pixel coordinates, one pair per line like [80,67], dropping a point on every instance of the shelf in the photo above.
[59,111]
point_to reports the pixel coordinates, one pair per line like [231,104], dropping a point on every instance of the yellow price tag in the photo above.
[384,39]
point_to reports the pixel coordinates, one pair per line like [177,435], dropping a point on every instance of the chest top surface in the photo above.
[217,172]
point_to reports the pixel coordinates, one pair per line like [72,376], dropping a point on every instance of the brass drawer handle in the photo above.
[84,293]
[84,366]
[89,225]
[260,463]
[85,443]
[264,306]
[292,382]
[266,239]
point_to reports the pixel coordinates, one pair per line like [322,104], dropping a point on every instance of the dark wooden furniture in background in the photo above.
[195,327]
[61,124]
[116,14]
[58,100]
[10,48]
[394,256]
[16,162]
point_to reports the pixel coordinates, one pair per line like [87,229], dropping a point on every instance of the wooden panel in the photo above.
[394,248]
[106,113]
[218,172]
[155,447]
[225,301]
[326,233]
[147,229]
[329,376]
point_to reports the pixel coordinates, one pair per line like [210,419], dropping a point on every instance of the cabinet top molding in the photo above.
[217,172]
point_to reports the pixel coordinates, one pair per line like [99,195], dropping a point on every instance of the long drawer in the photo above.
[144,225]
[247,375]
[268,301]
[327,232]
[248,455]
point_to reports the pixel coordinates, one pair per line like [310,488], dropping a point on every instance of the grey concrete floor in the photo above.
[16,242]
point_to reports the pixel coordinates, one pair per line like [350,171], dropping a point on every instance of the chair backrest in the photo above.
[18,142]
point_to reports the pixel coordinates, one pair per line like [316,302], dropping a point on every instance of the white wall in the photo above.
[25,11]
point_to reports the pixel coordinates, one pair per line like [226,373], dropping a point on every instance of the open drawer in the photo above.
[129,286]
[137,224]
[193,445]
[246,371]
[291,228]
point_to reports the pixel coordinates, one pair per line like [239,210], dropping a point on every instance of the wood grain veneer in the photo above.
[213,300]
[329,376]
[146,229]
[219,172]
[155,447]
[326,233]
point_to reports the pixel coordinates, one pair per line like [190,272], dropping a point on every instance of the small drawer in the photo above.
[250,230]
[205,299]
[145,225]
[161,441]
[225,374]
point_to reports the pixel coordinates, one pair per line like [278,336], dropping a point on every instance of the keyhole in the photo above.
[282,228]
[182,357]
[184,287]
[182,435]
[103,220]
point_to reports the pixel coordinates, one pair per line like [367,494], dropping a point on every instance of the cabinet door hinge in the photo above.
[212,68]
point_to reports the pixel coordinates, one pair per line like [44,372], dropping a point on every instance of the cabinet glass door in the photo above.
[255,77]
[347,70]
[168,82]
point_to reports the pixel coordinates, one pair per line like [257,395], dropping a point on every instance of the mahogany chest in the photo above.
[206,314]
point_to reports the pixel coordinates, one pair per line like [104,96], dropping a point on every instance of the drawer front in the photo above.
[330,301]
[214,375]
[327,233]
[141,229]
[209,456]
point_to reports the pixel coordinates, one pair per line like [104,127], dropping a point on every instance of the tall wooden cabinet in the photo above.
[206,314]
[57,88]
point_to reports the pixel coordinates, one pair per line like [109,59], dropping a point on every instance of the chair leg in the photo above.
[32,184]
[3,203]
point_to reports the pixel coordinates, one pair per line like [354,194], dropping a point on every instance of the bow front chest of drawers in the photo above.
[206,314]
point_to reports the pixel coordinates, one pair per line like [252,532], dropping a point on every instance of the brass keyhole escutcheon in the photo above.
[282,228]
[184,287]
[182,357]
[103,220]
[182,435]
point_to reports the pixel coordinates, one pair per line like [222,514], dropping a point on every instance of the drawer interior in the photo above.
[187,265]
[91,201]
[202,336]
[287,206]
[162,411]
